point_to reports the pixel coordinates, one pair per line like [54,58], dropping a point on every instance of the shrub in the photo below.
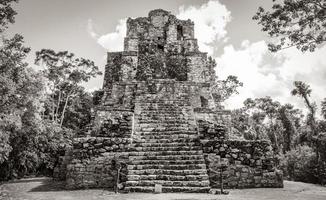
[35,150]
[300,164]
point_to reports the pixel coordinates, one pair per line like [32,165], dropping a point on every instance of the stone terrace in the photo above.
[158,117]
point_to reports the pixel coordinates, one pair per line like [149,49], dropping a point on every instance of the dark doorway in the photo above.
[204,102]
[179,32]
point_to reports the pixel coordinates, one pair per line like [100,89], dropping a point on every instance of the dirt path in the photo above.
[46,189]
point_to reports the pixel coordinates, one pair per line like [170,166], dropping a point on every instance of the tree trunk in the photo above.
[289,128]
[64,109]
[58,105]
[312,111]
[53,109]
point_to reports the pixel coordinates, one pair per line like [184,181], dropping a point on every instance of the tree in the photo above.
[65,74]
[280,122]
[20,89]
[299,23]
[303,90]
[7,13]
[78,113]
[323,108]
[224,89]
[286,115]
[269,108]
[17,80]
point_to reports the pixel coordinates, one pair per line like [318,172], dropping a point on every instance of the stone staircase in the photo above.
[165,147]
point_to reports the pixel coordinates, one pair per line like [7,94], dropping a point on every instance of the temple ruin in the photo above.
[159,120]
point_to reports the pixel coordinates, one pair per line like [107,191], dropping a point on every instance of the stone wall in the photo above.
[162,37]
[92,158]
[249,164]
[92,162]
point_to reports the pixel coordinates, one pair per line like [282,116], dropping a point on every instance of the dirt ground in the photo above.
[46,189]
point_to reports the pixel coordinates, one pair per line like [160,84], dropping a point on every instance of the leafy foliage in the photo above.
[78,113]
[17,82]
[20,90]
[64,74]
[300,164]
[299,23]
[7,13]
[266,117]
[323,108]
[224,89]
[303,90]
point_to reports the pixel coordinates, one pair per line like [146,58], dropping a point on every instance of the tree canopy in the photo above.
[64,73]
[7,13]
[299,23]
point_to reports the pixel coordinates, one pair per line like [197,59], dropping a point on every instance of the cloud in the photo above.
[90,29]
[210,20]
[112,41]
[272,74]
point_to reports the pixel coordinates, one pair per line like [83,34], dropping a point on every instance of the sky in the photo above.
[224,28]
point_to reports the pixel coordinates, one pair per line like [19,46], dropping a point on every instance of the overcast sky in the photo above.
[90,28]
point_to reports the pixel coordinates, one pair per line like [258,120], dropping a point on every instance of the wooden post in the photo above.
[118,176]
[221,178]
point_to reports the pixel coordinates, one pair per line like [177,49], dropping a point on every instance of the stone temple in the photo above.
[159,120]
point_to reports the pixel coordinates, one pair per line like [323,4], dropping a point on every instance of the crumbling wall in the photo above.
[198,70]
[92,159]
[121,96]
[159,46]
[93,162]
[249,164]
[213,117]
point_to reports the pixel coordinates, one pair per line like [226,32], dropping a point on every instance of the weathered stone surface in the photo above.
[158,117]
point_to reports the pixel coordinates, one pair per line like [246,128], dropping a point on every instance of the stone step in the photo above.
[163,111]
[162,123]
[171,144]
[169,189]
[199,177]
[204,183]
[164,120]
[168,162]
[165,114]
[167,157]
[154,126]
[155,122]
[168,128]
[150,104]
[169,148]
[172,167]
[163,153]
[168,172]
[175,132]
[172,137]
[162,101]
[178,140]
[152,120]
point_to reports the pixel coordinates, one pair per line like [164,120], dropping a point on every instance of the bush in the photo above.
[300,164]
[35,150]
